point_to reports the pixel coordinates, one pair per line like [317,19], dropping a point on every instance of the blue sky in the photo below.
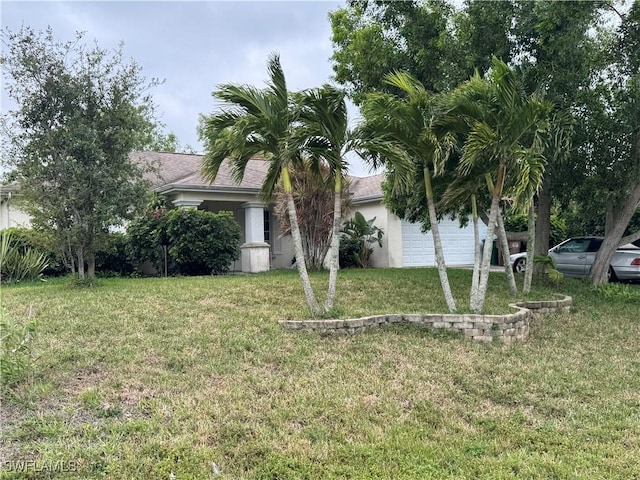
[195,46]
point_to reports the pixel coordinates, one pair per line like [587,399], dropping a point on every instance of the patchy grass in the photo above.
[141,378]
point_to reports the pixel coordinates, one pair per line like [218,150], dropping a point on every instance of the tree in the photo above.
[397,131]
[374,38]
[313,197]
[325,137]
[259,122]
[80,112]
[503,127]
[617,124]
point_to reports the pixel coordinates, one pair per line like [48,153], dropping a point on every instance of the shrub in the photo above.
[202,242]
[198,242]
[113,258]
[359,235]
[41,241]
[19,263]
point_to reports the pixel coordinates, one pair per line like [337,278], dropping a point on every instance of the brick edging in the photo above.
[482,328]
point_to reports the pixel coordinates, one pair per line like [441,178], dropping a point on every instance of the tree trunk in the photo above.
[612,239]
[80,257]
[297,244]
[477,303]
[334,249]
[504,246]
[531,244]
[543,223]
[91,266]
[476,249]
[437,243]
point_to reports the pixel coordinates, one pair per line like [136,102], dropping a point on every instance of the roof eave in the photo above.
[172,187]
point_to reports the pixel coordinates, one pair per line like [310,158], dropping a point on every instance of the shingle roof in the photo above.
[182,170]
[367,187]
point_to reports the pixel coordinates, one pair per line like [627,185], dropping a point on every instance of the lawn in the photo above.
[158,378]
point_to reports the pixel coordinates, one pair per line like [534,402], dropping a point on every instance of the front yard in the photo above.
[159,378]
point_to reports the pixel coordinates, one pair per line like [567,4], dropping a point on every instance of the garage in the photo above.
[457,243]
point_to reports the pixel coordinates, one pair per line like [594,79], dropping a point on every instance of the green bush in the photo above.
[113,258]
[198,242]
[18,263]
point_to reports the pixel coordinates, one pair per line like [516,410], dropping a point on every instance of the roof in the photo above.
[175,171]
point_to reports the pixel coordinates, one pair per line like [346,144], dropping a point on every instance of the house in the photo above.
[10,214]
[178,177]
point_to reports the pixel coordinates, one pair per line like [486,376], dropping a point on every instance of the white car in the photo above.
[575,256]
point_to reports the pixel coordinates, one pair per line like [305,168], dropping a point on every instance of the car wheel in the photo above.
[611,275]
[520,265]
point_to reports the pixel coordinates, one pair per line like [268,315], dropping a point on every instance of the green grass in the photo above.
[139,378]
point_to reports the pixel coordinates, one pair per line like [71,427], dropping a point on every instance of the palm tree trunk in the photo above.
[476,249]
[335,243]
[531,244]
[478,302]
[297,244]
[504,246]
[437,243]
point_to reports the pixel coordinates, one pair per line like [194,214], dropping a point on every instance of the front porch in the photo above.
[261,247]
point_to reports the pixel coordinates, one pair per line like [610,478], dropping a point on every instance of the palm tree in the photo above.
[325,137]
[397,131]
[259,122]
[503,127]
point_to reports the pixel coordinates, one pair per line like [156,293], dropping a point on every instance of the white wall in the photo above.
[10,216]
[390,254]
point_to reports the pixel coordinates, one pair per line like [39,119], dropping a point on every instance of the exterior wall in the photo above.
[10,216]
[390,254]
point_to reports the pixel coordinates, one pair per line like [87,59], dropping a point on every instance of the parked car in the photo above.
[575,256]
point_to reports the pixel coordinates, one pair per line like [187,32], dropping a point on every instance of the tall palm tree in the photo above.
[259,122]
[325,137]
[503,127]
[397,131]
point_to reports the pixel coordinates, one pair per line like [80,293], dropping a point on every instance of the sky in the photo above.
[195,46]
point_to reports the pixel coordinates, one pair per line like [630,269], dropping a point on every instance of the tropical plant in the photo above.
[325,137]
[502,128]
[262,122]
[314,200]
[18,264]
[397,131]
[360,235]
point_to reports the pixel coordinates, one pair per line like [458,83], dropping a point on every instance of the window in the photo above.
[267,227]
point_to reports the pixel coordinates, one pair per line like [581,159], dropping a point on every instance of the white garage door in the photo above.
[457,243]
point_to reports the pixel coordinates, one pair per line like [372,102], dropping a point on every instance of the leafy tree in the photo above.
[374,38]
[80,112]
[259,122]
[314,200]
[614,156]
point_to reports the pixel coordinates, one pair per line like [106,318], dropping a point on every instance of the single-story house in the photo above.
[10,213]
[179,179]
